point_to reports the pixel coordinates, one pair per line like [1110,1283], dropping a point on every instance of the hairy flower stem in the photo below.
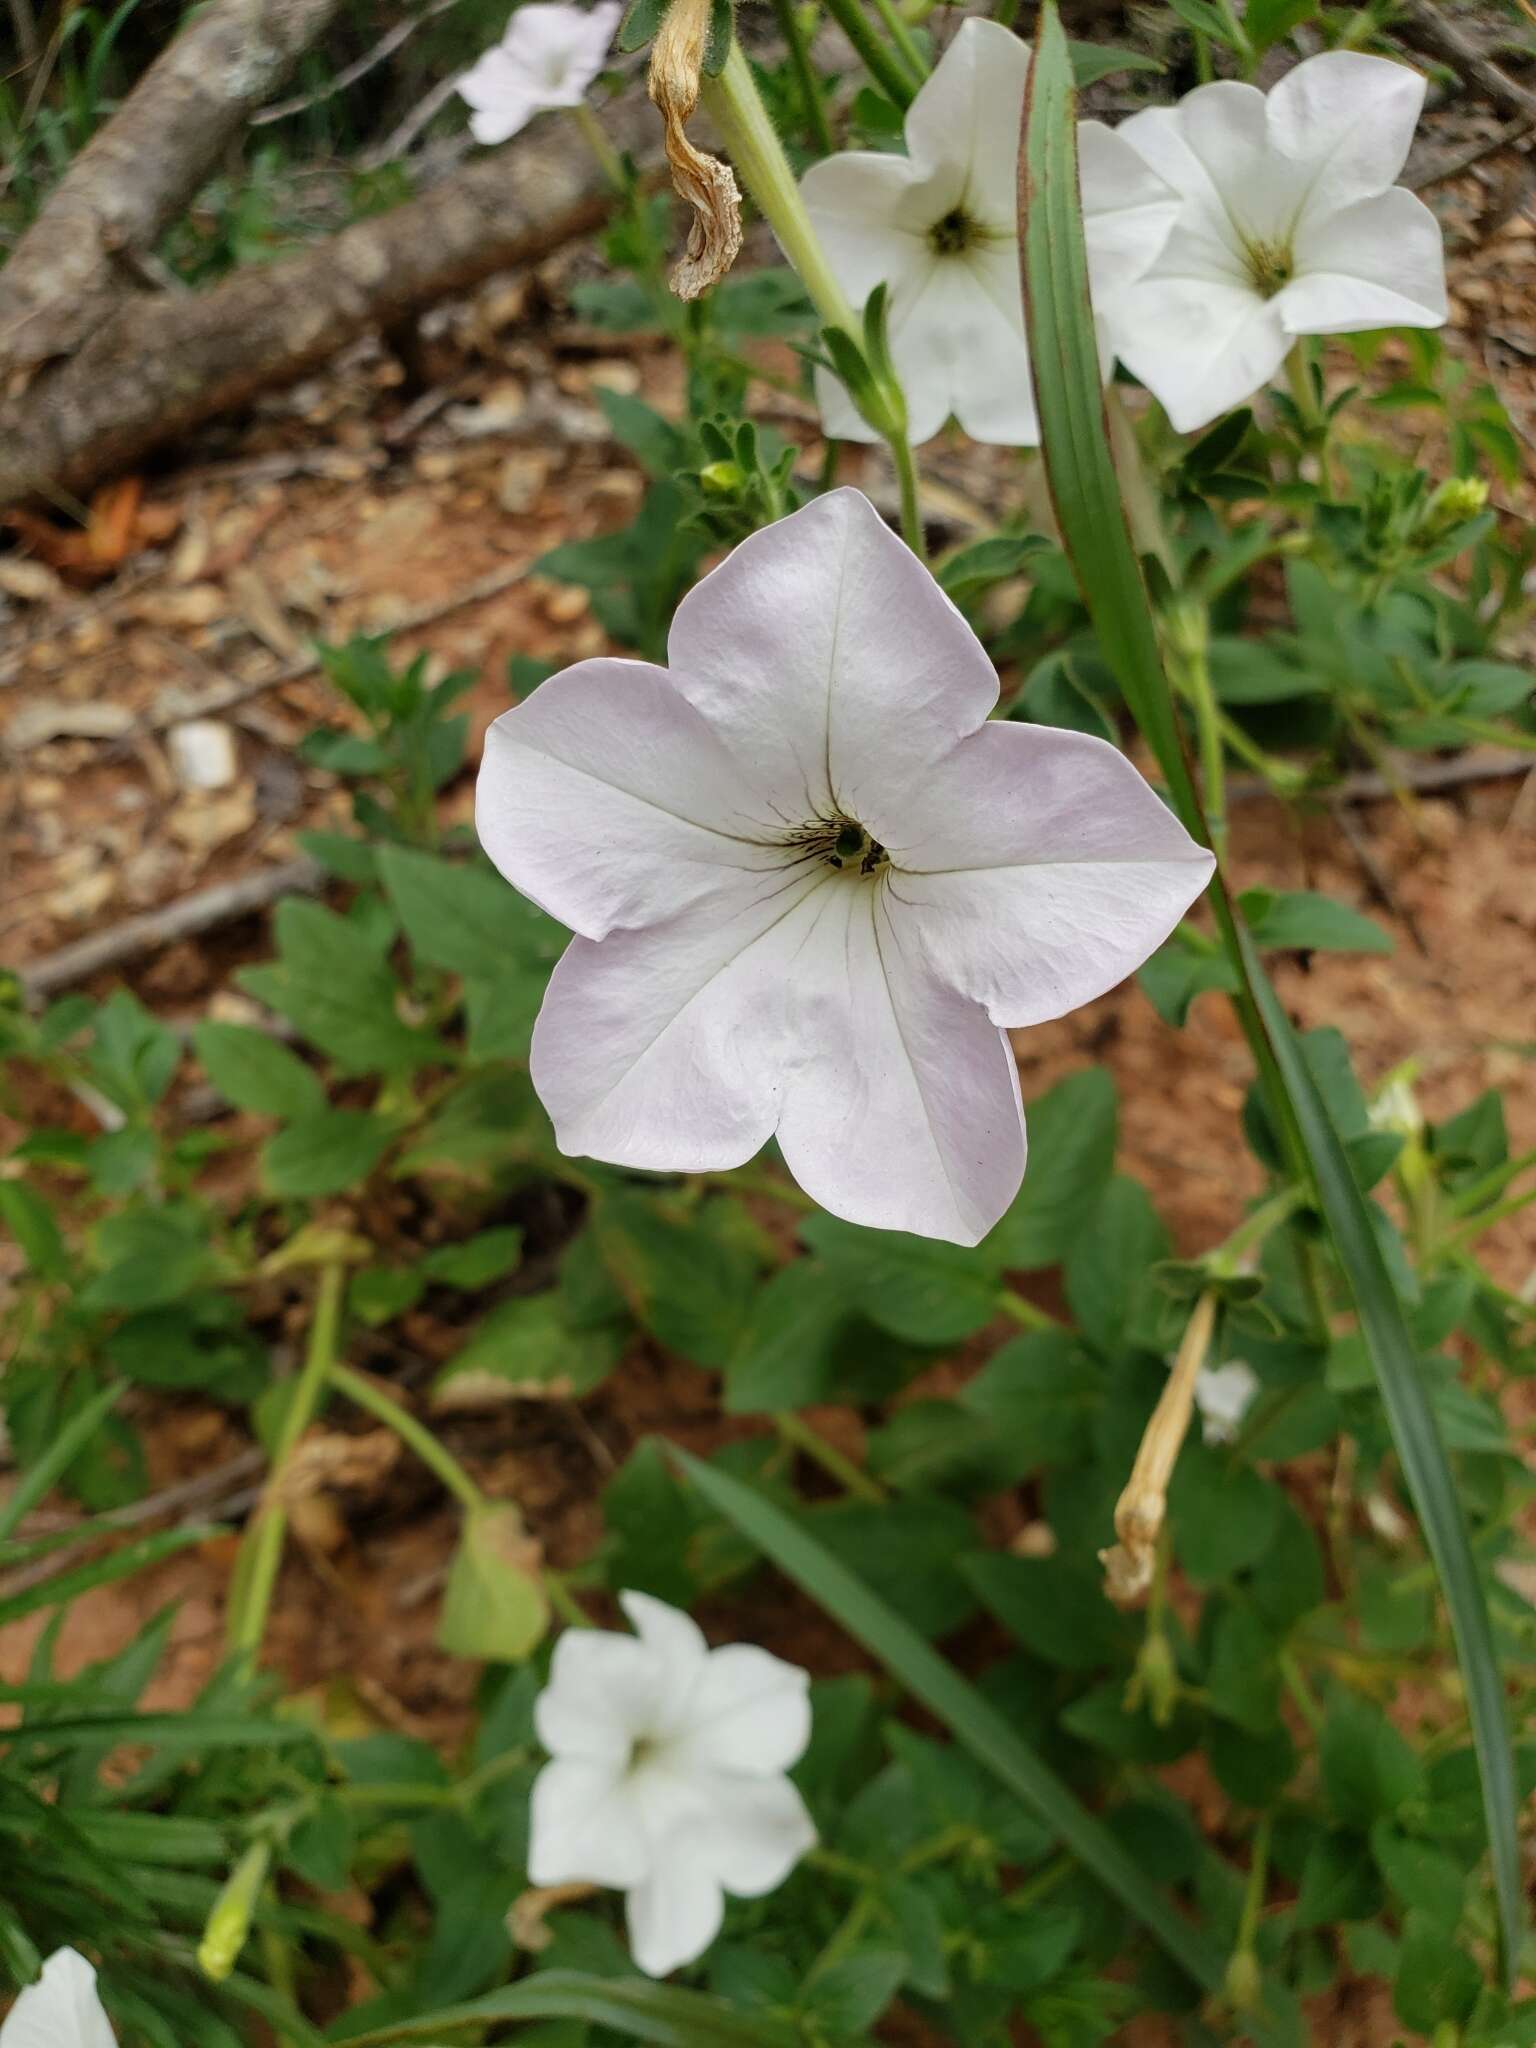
[261,1551]
[737,110]
[815,107]
[1027,1314]
[906,477]
[1139,1512]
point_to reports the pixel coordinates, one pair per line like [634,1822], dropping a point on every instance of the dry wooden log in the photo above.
[161,364]
[136,176]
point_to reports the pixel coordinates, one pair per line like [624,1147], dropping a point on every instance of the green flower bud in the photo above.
[230,1921]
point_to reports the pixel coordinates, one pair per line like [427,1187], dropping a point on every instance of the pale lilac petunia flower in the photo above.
[938,226]
[548,57]
[667,1776]
[811,883]
[61,2010]
[1290,225]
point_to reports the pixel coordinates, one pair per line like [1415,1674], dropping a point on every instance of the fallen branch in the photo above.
[161,364]
[187,918]
[1427,26]
[136,176]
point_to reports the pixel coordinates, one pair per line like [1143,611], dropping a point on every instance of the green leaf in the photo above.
[850,1996]
[120,1564]
[915,1287]
[1055,1607]
[1042,1392]
[685,1285]
[1437,1981]
[325,1152]
[1072,1129]
[256,1072]
[333,983]
[526,1349]
[1086,496]
[1093,61]
[1266,21]
[1338,1882]
[637,2010]
[494,1605]
[1109,1266]
[477,1261]
[40,1478]
[974,1723]
[464,918]
[1302,920]
[799,1319]
[1369,1771]
[30,1221]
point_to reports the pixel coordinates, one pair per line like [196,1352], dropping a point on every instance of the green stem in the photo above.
[815,107]
[890,75]
[906,476]
[736,107]
[1491,1185]
[795,1431]
[1195,673]
[1253,1895]
[609,161]
[911,56]
[1027,1314]
[1469,1232]
[1255,1227]
[564,1602]
[261,1552]
[1301,1693]
[413,1434]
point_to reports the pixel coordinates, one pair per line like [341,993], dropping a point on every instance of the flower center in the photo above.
[954,234]
[1270,266]
[837,842]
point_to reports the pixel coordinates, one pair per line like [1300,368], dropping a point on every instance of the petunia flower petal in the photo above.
[902,1111]
[753,1833]
[1378,263]
[1200,345]
[657,1048]
[604,1690]
[959,348]
[1038,869]
[816,654]
[675,1913]
[607,799]
[1129,210]
[584,1826]
[61,2010]
[748,1712]
[1349,119]
[967,113]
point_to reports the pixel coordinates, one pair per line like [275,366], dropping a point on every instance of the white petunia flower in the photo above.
[1290,225]
[1224,1394]
[667,1779]
[811,883]
[938,226]
[61,2010]
[548,57]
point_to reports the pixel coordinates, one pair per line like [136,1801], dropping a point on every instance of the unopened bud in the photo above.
[1244,1980]
[723,479]
[1458,498]
[233,1910]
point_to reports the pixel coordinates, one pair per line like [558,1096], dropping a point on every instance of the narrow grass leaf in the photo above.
[1086,494]
[637,2010]
[971,1719]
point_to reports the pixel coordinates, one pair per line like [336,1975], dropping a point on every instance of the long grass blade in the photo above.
[1094,528]
[970,1718]
[639,2011]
